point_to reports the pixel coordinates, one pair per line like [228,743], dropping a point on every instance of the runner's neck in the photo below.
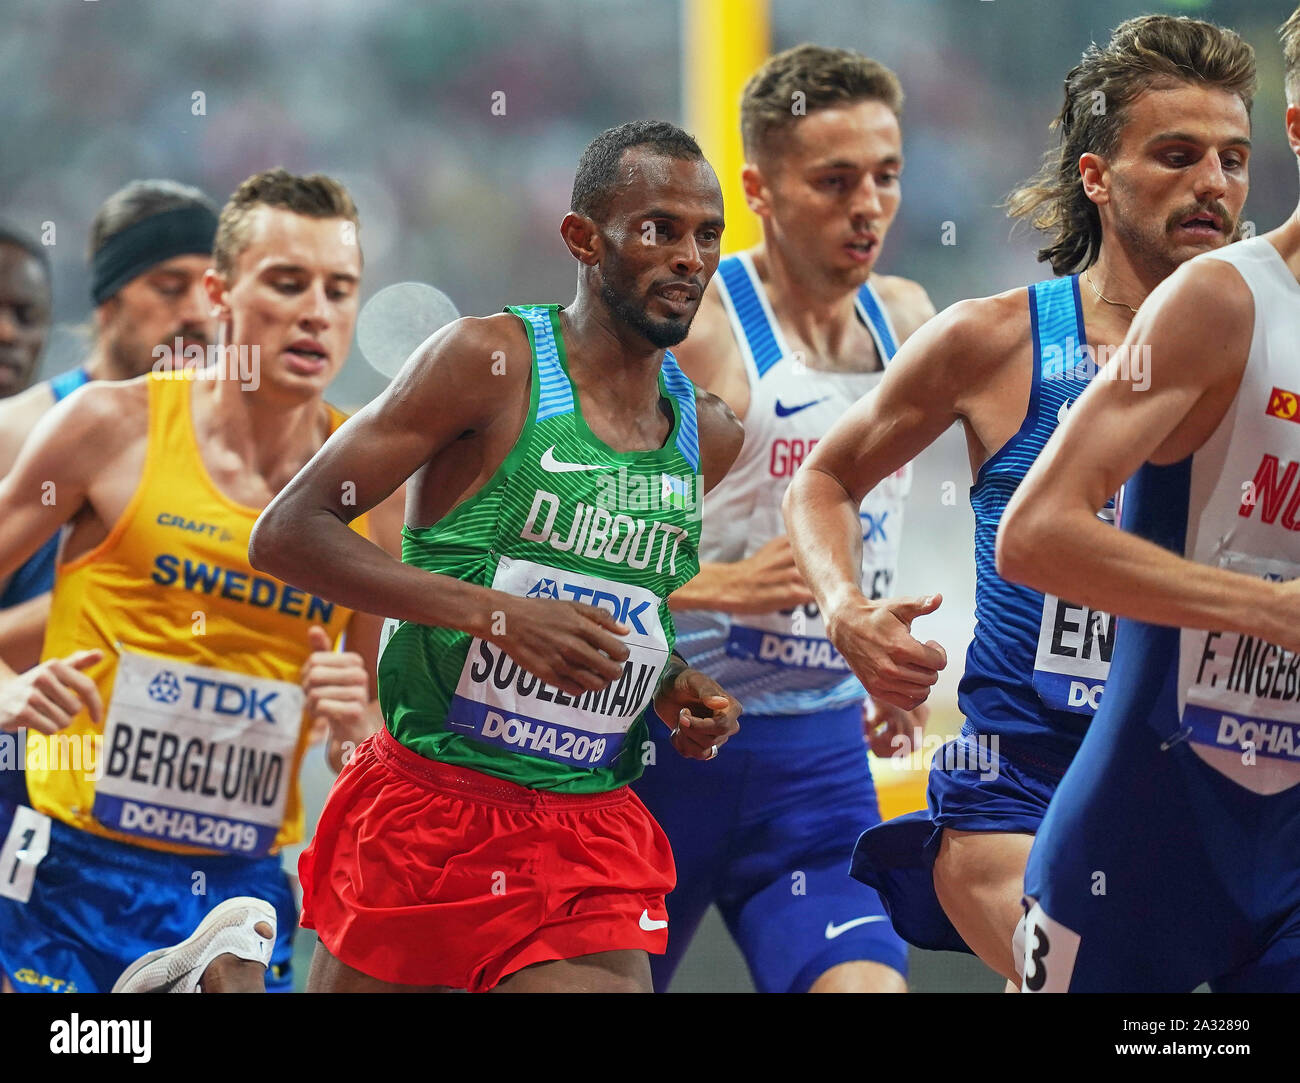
[824,324]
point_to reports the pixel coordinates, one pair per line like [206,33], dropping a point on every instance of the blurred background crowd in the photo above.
[456,124]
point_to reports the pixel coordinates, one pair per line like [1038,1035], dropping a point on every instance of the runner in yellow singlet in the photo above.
[180,688]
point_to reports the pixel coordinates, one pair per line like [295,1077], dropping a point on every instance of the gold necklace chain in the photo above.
[1117,304]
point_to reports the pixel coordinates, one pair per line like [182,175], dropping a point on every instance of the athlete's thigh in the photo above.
[789,899]
[330,975]
[1273,905]
[1122,892]
[809,921]
[600,972]
[1277,970]
[979,877]
[696,804]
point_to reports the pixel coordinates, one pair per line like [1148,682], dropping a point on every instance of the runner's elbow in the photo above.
[270,544]
[1026,534]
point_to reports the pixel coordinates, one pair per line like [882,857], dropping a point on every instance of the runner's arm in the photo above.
[443,392]
[22,627]
[923,391]
[22,630]
[47,485]
[363,633]
[916,400]
[720,437]
[51,476]
[447,390]
[1195,329]
[767,581]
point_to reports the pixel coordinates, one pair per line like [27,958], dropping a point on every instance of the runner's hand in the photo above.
[570,646]
[47,697]
[892,731]
[700,712]
[337,690]
[767,580]
[875,639]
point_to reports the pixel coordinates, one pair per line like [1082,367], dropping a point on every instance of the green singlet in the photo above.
[564,517]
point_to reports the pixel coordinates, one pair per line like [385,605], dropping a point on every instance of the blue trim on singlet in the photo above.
[996,692]
[878,321]
[35,576]
[742,290]
[555,393]
[749,310]
[681,389]
[65,383]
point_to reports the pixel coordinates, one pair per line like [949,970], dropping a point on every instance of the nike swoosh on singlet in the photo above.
[1065,409]
[833,930]
[786,411]
[555,466]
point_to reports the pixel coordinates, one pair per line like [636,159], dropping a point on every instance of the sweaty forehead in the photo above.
[646,179]
[277,235]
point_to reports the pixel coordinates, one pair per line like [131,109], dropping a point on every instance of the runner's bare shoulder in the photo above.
[18,416]
[473,366]
[974,342]
[103,418]
[907,301]
[721,436]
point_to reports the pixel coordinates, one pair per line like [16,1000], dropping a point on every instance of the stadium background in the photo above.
[457,125]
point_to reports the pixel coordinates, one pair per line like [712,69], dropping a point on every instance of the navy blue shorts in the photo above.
[97,905]
[1152,872]
[13,779]
[974,786]
[765,831]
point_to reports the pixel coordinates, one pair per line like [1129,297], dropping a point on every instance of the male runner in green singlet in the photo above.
[487,837]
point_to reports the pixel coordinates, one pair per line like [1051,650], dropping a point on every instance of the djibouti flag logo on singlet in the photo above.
[623,491]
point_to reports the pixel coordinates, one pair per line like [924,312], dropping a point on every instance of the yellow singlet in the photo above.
[204,728]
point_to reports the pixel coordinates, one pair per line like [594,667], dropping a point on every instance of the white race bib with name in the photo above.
[500,703]
[1073,656]
[1240,696]
[197,756]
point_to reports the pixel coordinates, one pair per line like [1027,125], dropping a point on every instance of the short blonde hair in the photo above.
[1290,32]
[824,77]
[315,196]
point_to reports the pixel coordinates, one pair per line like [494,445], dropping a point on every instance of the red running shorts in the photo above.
[422,873]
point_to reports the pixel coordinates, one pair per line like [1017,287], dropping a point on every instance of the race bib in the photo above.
[499,702]
[197,756]
[1073,656]
[795,639]
[24,848]
[386,630]
[1240,694]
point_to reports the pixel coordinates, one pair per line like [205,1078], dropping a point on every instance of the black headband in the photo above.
[132,251]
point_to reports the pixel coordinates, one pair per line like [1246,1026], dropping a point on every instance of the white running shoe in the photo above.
[227,929]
